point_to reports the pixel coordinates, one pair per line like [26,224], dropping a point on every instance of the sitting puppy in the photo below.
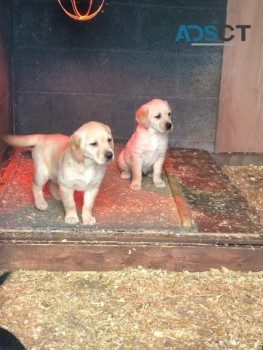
[75,163]
[146,149]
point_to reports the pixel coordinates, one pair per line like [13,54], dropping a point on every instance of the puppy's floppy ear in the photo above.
[74,143]
[142,116]
[112,141]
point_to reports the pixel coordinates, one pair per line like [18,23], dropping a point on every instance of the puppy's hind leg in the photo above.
[54,189]
[39,181]
[136,183]
[150,172]
[125,174]
[157,172]
[125,171]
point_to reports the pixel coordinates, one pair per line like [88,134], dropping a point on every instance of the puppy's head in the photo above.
[155,114]
[92,141]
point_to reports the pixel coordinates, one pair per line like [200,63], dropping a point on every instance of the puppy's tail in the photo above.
[21,141]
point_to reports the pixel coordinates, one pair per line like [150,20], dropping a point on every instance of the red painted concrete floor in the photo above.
[116,206]
[216,206]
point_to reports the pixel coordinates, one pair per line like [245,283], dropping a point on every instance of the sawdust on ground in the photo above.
[134,309]
[249,180]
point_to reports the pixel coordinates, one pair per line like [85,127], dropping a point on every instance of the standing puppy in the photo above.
[75,163]
[146,149]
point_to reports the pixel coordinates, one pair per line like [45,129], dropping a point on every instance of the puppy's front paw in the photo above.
[42,205]
[71,219]
[135,186]
[89,220]
[159,184]
[125,175]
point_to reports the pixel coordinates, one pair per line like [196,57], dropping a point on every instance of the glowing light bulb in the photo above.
[77,15]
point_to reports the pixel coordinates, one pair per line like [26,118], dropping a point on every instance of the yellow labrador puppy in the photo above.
[75,163]
[146,149]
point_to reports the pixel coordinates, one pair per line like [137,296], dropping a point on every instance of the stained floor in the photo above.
[116,206]
[214,201]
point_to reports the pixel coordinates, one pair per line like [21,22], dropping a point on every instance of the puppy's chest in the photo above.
[154,148]
[83,179]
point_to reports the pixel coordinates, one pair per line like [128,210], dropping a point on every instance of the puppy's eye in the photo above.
[94,144]
[169,114]
[158,116]
[109,139]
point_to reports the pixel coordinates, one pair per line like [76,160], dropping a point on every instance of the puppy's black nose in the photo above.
[168,126]
[108,155]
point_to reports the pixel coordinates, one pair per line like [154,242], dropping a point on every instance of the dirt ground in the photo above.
[138,308]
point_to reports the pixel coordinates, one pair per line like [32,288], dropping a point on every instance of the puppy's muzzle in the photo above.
[108,155]
[168,126]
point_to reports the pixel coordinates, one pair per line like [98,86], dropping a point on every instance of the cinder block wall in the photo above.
[5,71]
[66,72]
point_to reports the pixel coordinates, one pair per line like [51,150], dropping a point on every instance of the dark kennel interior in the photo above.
[59,73]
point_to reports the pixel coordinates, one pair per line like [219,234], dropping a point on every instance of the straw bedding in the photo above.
[134,309]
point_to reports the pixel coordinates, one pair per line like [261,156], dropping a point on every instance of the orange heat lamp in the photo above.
[75,14]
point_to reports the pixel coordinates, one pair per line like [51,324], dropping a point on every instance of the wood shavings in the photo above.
[249,180]
[134,309]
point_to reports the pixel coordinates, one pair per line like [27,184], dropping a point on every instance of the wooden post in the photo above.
[240,119]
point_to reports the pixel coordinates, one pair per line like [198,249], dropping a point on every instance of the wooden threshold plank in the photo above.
[79,257]
[182,207]
[132,237]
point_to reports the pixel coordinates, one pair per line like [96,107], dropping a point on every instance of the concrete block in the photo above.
[135,74]
[199,75]
[177,3]
[195,119]
[44,24]
[50,71]
[160,24]
[64,113]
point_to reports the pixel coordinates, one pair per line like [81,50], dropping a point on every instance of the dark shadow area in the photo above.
[4,277]
[9,342]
